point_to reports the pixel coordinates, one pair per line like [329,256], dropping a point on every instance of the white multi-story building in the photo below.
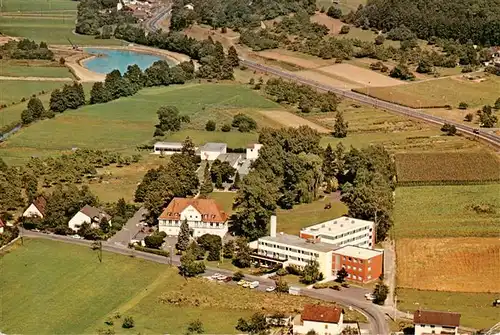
[292,250]
[202,215]
[342,231]
[323,320]
[435,322]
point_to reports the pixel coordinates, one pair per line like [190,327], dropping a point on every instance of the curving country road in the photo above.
[353,297]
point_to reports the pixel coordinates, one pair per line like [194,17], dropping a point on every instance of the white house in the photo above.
[323,320]
[88,214]
[36,208]
[210,151]
[435,322]
[167,148]
[202,215]
[253,151]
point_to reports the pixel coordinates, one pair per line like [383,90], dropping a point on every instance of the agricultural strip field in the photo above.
[287,119]
[447,211]
[25,69]
[440,92]
[290,221]
[435,167]
[360,75]
[475,308]
[370,126]
[53,31]
[125,123]
[465,264]
[14,90]
[82,293]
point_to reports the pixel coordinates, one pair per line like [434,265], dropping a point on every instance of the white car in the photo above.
[76,236]
[246,284]
[270,289]
[254,284]
[241,282]
[369,296]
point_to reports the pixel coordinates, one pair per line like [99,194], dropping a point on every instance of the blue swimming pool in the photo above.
[110,60]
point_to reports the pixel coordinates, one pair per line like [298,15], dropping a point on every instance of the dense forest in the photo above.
[234,13]
[464,20]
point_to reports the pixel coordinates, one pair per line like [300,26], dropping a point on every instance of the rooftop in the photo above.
[231,158]
[208,208]
[40,203]
[169,144]
[210,146]
[298,242]
[338,225]
[318,313]
[93,212]
[436,318]
[357,252]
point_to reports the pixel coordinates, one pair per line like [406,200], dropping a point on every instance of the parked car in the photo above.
[369,296]
[76,236]
[246,284]
[227,279]
[254,284]
[241,282]
[270,289]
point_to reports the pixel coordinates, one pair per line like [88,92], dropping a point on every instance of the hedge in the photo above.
[152,251]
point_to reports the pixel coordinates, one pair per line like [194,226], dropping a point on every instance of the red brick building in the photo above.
[363,265]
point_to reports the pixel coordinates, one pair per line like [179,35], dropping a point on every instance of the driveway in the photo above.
[131,230]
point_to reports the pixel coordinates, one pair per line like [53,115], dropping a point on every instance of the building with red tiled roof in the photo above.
[322,319]
[2,225]
[436,322]
[203,216]
[36,208]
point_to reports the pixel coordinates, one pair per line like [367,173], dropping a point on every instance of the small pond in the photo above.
[110,60]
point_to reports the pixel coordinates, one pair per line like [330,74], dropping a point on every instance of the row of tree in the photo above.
[26,49]
[97,17]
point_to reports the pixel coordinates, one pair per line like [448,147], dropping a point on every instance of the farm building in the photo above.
[167,148]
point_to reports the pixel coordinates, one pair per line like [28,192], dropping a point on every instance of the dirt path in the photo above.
[35,78]
[288,119]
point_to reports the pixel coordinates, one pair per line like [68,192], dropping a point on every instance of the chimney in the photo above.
[272,226]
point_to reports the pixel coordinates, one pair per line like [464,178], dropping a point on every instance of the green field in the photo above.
[303,215]
[55,30]
[125,123]
[15,90]
[37,5]
[445,211]
[224,199]
[65,290]
[475,308]
[370,126]
[35,69]
[440,92]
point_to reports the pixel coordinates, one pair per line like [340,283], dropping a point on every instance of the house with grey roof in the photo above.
[92,215]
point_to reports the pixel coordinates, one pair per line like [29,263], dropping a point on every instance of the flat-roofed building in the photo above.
[342,231]
[210,151]
[167,148]
[362,264]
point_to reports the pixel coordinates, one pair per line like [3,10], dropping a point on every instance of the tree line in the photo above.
[97,17]
[474,20]
[26,49]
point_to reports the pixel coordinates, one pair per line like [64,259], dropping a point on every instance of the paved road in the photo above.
[129,230]
[353,297]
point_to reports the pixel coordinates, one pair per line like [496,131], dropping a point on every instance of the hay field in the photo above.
[14,90]
[295,58]
[440,92]
[288,119]
[360,75]
[449,264]
[446,167]
[447,211]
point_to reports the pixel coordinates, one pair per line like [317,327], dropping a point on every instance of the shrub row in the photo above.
[152,251]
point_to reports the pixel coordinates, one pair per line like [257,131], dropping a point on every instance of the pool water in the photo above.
[119,59]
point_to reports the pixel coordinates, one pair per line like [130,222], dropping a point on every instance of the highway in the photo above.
[353,297]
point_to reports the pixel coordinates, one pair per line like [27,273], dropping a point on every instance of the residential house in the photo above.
[203,216]
[436,322]
[36,208]
[234,159]
[89,214]
[2,226]
[210,151]
[323,320]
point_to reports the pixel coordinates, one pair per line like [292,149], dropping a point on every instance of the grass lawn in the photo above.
[56,30]
[125,123]
[445,211]
[66,290]
[475,308]
[439,92]
[33,69]
[15,90]
[370,126]
[37,5]
[224,199]
[291,221]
